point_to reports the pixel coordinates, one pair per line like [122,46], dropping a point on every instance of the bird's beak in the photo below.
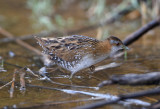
[126,48]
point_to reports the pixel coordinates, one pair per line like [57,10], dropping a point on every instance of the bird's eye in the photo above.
[118,44]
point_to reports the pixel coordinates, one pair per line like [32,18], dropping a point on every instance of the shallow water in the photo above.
[143,57]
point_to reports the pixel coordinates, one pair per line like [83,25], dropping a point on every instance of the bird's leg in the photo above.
[71,75]
[92,68]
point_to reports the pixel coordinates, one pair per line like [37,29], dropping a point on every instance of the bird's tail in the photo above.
[42,42]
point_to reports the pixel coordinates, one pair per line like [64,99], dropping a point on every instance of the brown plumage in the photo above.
[77,52]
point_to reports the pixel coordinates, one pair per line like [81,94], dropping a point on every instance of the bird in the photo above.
[77,52]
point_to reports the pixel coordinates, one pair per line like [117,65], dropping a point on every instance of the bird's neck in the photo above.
[103,48]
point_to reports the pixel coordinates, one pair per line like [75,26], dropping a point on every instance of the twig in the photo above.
[121,97]
[30,71]
[22,43]
[13,79]
[133,79]
[151,99]
[22,81]
[138,33]
[11,91]
[6,84]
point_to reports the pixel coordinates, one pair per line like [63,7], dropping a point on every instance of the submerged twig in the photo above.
[119,98]
[133,79]
[6,84]
[13,79]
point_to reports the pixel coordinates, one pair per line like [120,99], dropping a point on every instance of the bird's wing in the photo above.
[68,48]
